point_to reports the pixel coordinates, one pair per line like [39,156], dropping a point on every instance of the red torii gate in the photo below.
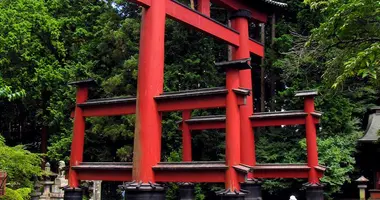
[240,166]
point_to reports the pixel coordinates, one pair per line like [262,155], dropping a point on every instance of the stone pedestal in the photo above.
[231,195]
[57,193]
[73,193]
[47,188]
[314,191]
[253,189]
[97,194]
[35,194]
[143,191]
[186,191]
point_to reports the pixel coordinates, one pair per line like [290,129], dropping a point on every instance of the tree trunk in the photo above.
[273,76]
[273,31]
[262,73]
[192,4]
[229,46]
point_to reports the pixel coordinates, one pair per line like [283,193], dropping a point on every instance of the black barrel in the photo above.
[253,189]
[186,191]
[314,192]
[143,191]
[231,195]
[145,195]
[73,194]
[232,198]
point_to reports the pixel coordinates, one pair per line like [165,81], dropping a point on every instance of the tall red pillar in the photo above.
[186,137]
[233,120]
[239,22]
[204,7]
[77,145]
[147,138]
[311,140]
[232,130]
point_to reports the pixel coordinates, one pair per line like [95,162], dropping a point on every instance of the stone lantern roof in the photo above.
[373,126]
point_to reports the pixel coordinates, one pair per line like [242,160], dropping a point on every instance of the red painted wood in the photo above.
[234,5]
[232,130]
[374,194]
[209,176]
[192,103]
[241,100]
[285,173]
[204,7]
[77,145]
[105,175]
[256,48]
[109,110]
[207,125]
[203,23]
[316,120]
[147,139]
[247,140]
[253,123]
[190,17]
[186,137]
[311,140]
[163,106]
[278,122]
[281,174]
[212,176]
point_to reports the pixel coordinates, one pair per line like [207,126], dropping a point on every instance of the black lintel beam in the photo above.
[240,64]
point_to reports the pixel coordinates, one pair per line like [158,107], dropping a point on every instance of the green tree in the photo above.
[348,39]
[314,45]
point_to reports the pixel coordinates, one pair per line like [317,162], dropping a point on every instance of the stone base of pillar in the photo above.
[143,191]
[231,195]
[314,191]
[186,191]
[73,193]
[253,189]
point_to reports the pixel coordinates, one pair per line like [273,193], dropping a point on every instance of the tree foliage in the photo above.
[19,164]
[348,39]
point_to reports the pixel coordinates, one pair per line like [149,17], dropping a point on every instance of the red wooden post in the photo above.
[77,144]
[186,137]
[232,130]
[186,190]
[204,7]
[311,140]
[147,139]
[239,22]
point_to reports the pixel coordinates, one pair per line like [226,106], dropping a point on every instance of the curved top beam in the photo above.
[236,5]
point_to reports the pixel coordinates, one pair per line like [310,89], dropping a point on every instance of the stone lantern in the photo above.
[370,149]
[362,185]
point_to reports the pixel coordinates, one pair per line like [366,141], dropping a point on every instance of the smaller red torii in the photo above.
[239,171]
